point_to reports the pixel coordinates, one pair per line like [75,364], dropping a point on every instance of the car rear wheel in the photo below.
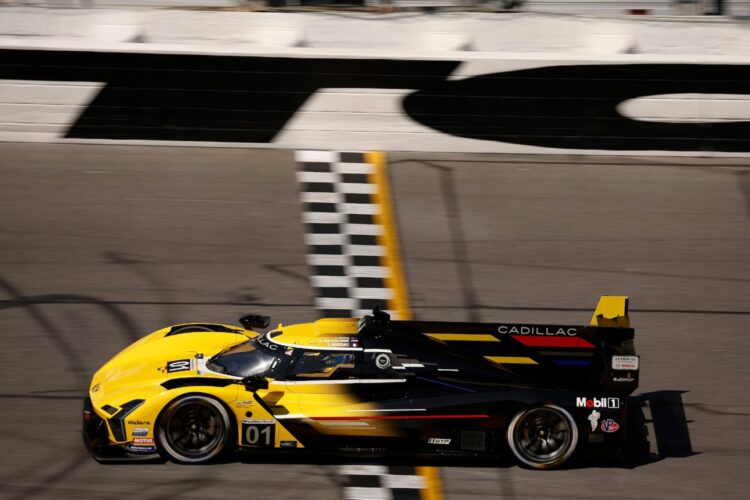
[543,437]
[194,429]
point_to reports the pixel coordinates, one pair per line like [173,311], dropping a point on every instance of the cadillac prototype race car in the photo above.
[191,392]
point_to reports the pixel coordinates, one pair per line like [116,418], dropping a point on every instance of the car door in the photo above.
[337,398]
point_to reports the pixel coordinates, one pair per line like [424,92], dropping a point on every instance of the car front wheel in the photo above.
[543,437]
[193,429]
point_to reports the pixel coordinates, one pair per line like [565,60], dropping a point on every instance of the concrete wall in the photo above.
[604,95]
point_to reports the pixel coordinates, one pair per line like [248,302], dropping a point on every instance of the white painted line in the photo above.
[370,250]
[335,303]
[314,197]
[363,470]
[323,218]
[361,493]
[316,156]
[402,481]
[366,229]
[332,281]
[368,271]
[327,177]
[360,208]
[325,239]
[372,293]
[328,260]
[353,168]
[359,188]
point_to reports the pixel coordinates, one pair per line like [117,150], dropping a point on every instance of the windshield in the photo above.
[242,360]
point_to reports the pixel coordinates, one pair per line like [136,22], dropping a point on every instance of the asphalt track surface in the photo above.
[101,244]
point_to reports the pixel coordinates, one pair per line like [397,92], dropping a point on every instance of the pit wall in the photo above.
[302,98]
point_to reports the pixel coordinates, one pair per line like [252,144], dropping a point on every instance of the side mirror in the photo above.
[255,321]
[255,382]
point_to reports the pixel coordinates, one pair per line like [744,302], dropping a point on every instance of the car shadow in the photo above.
[657,430]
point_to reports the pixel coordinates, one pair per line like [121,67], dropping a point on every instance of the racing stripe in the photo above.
[465,337]
[511,360]
[577,342]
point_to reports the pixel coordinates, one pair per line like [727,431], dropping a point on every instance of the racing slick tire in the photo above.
[193,429]
[543,437]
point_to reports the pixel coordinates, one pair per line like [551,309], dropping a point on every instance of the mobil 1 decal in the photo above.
[189,97]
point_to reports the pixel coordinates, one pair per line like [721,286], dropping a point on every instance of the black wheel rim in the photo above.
[194,429]
[543,435]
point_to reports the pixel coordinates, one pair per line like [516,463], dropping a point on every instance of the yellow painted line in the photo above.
[466,337]
[511,360]
[433,489]
[399,303]
[396,281]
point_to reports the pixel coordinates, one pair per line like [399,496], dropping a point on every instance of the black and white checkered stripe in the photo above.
[381,482]
[347,269]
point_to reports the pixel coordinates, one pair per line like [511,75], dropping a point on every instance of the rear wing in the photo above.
[612,312]
[599,356]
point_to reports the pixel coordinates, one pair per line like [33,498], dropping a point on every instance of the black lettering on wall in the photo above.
[251,99]
[206,98]
[574,107]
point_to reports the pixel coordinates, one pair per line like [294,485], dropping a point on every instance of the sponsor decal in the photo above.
[258,434]
[594,419]
[546,330]
[138,422]
[96,387]
[267,343]
[256,421]
[610,403]
[438,441]
[339,341]
[140,431]
[610,425]
[288,444]
[136,447]
[625,363]
[143,441]
[383,361]
[180,365]
[623,379]
[243,403]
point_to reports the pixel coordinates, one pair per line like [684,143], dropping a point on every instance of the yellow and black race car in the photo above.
[192,392]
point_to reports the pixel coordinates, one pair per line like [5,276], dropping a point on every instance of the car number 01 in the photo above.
[258,434]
